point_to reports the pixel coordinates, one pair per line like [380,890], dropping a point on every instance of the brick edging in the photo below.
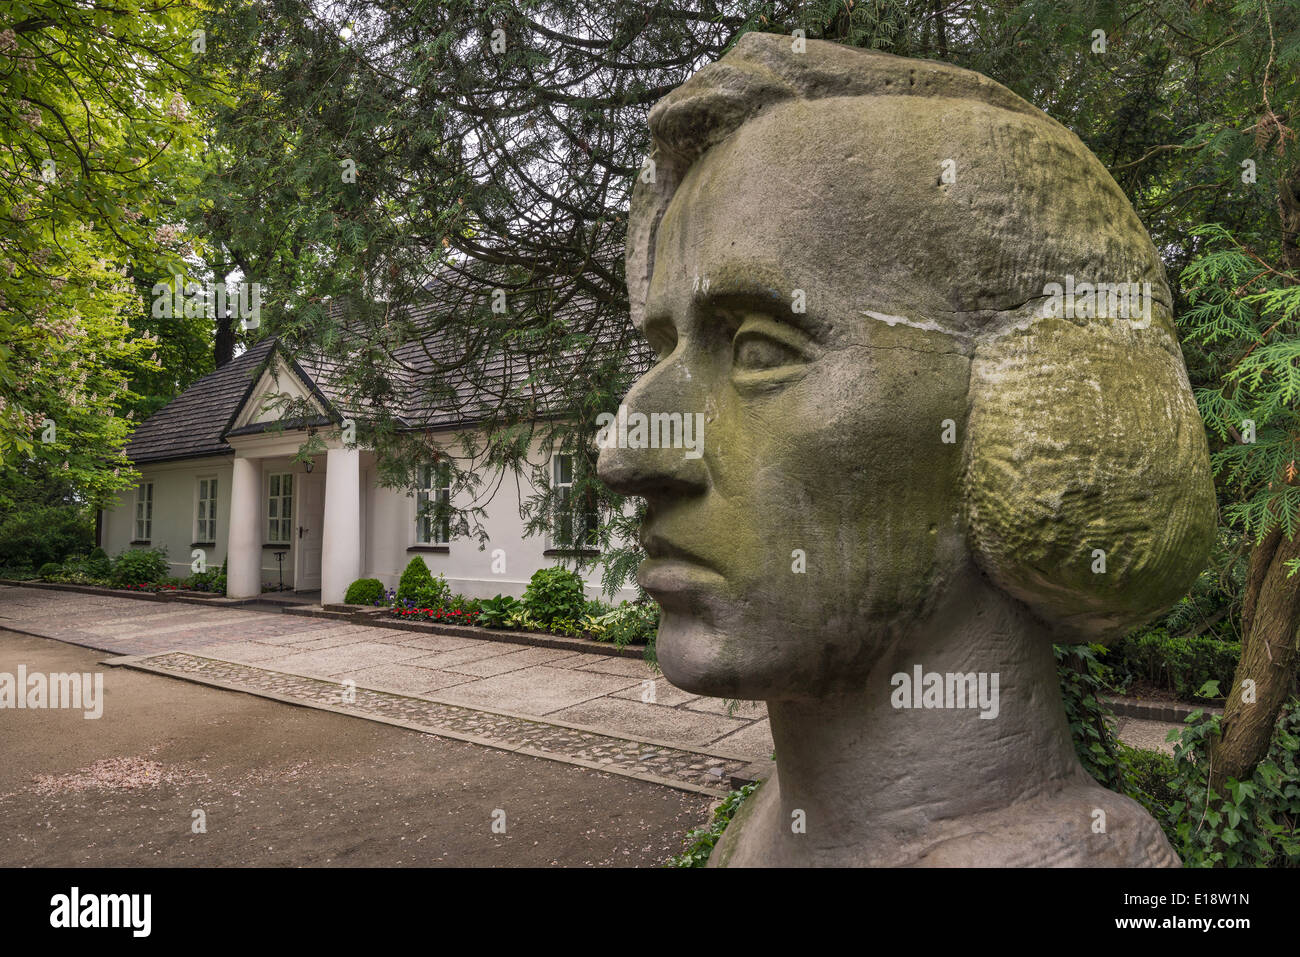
[1175,711]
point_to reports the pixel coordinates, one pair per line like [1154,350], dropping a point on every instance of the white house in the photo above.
[217,477]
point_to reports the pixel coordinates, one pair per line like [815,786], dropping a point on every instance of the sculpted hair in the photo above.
[1087,491]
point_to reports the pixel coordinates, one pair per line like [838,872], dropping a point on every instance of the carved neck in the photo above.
[869,774]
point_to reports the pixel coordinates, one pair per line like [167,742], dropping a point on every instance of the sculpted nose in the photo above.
[659,408]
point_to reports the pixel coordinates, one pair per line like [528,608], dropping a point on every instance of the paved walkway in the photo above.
[594,710]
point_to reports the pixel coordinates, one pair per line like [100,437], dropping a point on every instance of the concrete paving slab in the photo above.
[478,651]
[403,679]
[348,637]
[431,643]
[627,667]
[731,709]
[248,651]
[513,661]
[753,739]
[666,694]
[689,729]
[538,690]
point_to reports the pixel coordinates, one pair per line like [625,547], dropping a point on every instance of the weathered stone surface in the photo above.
[949,453]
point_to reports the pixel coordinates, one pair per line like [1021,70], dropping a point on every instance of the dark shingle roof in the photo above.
[195,423]
[192,424]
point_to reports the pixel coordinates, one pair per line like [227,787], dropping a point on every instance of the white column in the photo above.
[244,548]
[340,562]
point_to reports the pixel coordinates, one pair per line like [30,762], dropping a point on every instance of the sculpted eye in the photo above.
[757,352]
[763,345]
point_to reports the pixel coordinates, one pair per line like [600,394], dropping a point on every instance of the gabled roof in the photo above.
[196,423]
[193,423]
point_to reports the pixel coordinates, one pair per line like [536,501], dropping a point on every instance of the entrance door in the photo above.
[310,532]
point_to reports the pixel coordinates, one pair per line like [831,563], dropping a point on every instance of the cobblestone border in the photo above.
[654,762]
[1175,711]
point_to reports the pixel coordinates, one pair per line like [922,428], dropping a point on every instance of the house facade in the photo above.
[219,482]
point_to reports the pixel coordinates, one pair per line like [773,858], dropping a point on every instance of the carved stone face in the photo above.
[825,510]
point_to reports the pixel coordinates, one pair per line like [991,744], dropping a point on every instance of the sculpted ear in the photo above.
[1088,488]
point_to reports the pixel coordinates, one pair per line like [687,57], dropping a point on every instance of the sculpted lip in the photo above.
[670,567]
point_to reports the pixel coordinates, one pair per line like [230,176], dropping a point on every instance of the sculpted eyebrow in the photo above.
[764,299]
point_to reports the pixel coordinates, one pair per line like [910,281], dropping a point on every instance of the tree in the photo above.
[95,145]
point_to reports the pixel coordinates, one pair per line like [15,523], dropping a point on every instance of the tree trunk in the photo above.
[1270,644]
[224,341]
[1270,615]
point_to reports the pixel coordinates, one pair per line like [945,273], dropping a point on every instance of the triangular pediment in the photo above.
[280,394]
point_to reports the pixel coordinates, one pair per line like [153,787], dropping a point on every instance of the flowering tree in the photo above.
[96,144]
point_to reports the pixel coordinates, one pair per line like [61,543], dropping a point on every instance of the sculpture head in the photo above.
[843,261]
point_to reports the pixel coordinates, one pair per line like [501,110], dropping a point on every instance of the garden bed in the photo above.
[383,618]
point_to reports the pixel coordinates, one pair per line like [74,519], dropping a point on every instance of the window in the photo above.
[205,511]
[144,512]
[575,523]
[279,509]
[433,521]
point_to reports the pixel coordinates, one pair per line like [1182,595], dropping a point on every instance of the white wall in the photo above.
[175,490]
[175,494]
[387,528]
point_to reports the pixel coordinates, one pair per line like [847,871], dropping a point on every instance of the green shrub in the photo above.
[496,612]
[627,624]
[98,564]
[139,566]
[39,536]
[1147,778]
[435,594]
[364,591]
[50,571]
[415,577]
[554,593]
[466,606]
[200,581]
[1180,663]
[1256,823]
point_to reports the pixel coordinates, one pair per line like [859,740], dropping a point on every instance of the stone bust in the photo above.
[914,463]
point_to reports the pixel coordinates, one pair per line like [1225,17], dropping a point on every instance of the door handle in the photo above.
[302,531]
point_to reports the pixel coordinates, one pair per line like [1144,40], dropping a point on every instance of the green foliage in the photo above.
[1146,778]
[467,606]
[554,593]
[1256,823]
[521,619]
[364,591]
[98,146]
[1181,664]
[50,571]
[415,577]
[628,623]
[219,582]
[1083,682]
[139,566]
[1248,314]
[200,581]
[98,564]
[36,536]
[436,593]
[700,841]
[497,612]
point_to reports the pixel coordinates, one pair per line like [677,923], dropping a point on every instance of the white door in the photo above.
[309,532]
